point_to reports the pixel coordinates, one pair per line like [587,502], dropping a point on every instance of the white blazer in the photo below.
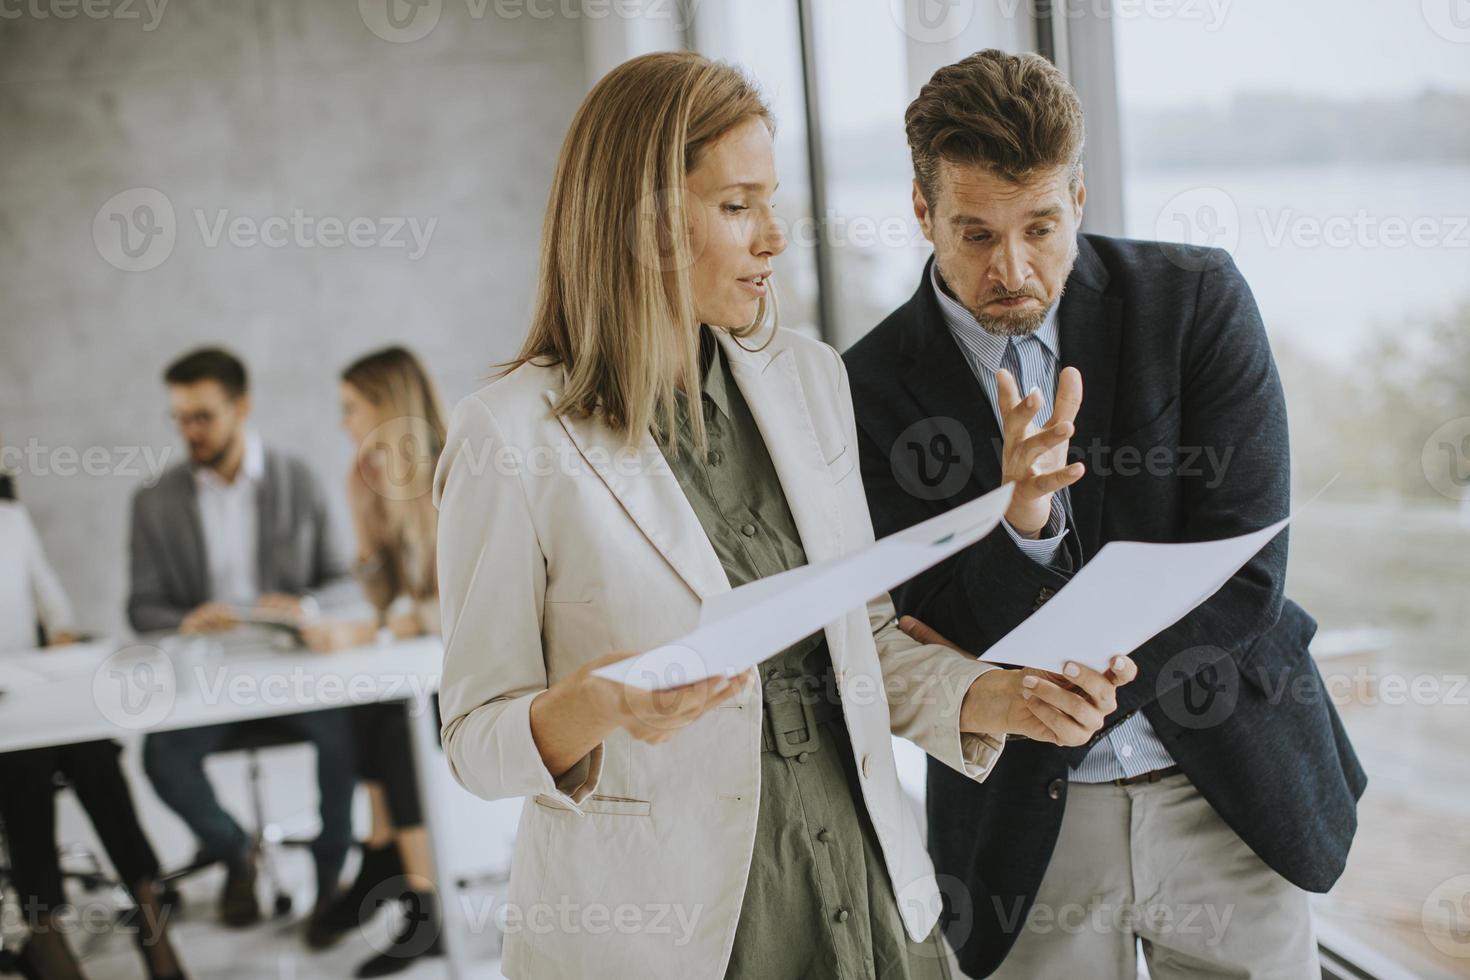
[557,545]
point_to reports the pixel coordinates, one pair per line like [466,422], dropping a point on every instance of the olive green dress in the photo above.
[818,903]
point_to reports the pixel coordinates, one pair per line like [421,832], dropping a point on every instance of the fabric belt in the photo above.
[1148,777]
[794,706]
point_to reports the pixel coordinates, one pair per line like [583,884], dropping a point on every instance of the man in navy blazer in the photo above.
[1223,789]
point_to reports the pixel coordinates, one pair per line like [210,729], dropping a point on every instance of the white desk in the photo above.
[97,691]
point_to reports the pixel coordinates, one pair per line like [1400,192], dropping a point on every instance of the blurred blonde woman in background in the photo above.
[395,418]
[658,442]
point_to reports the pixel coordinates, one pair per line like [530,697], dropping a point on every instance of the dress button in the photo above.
[824,835]
[748,530]
[715,457]
[867,764]
[843,915]
[803,756]
[1055,788]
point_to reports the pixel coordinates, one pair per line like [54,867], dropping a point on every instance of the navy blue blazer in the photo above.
[1183,431]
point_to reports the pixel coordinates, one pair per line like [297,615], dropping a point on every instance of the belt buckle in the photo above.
[780,711]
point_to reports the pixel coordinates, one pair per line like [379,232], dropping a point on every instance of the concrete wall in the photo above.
[252,109]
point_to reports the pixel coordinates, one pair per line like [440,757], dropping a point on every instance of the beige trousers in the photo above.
[1154,864]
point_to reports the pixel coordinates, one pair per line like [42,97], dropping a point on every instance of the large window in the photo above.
[1327,146]
[764,38]
[876,248]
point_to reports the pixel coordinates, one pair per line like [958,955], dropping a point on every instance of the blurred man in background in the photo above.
[237,529]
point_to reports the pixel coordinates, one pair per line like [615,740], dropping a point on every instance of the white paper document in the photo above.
[1129,593]
[740,628]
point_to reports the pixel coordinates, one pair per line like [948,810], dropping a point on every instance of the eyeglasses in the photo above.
[186,420]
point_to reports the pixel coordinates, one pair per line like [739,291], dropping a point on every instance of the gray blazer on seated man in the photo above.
[236,526]
[294,550]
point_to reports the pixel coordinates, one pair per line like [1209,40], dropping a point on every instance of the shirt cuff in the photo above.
[1042,550]
[970,753]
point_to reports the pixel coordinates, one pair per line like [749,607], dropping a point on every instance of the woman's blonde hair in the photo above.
[614,304]
[409,435]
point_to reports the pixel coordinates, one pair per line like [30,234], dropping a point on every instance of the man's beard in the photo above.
[1018,323]
[214,459]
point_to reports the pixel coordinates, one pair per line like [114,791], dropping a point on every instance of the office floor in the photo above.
[274,949]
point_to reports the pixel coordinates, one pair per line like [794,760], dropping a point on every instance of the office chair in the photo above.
[267,837]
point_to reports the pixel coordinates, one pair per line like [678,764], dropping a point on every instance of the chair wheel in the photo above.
[283,904]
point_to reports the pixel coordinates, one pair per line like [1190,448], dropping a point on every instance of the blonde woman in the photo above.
[392,412]
[657,442]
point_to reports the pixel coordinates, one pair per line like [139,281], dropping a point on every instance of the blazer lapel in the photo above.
[190,541]
[772,388]
[265,509]
[1089,322]
[651,494]
[652,497]
[941,380]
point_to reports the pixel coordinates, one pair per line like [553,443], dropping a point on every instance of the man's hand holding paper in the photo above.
[1064,709]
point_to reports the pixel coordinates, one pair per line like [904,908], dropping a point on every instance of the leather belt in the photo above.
[1149,777]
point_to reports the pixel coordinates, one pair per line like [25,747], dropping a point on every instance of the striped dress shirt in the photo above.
[1132,747]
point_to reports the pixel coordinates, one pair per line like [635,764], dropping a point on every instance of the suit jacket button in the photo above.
[1041,598]
[1055,788]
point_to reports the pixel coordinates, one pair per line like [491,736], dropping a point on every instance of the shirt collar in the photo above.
[991,348]
[716,382]
[252,466]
